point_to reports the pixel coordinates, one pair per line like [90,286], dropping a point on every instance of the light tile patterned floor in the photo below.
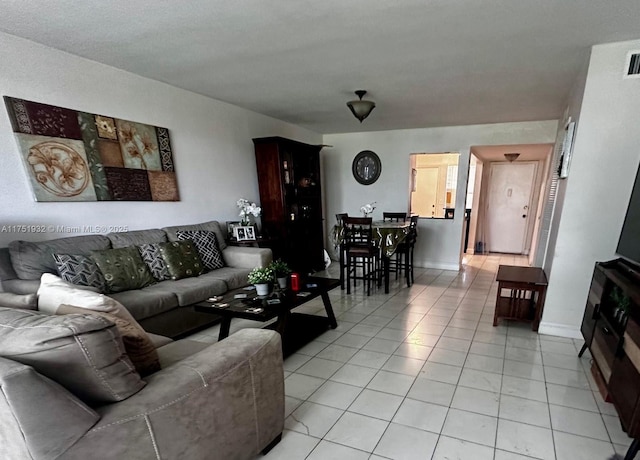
[421,373]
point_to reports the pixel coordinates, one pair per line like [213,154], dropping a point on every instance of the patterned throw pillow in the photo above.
[207,245]
[123,269]
[151,255]
[182,259]
[80,270]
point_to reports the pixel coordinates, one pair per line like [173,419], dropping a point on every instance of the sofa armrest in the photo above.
[244,257]
[226,401]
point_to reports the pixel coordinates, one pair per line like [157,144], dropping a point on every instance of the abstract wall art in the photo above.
[77,156]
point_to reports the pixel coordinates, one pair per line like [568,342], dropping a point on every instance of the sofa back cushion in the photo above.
[140,349]
[123,269]
[212,226]
[30,260]
[27,432]
[137,237]
[83,353]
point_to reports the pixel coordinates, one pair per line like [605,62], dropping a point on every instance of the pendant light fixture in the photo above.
[361,109]
[511,157]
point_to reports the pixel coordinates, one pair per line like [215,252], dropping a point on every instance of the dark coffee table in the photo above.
[296,329]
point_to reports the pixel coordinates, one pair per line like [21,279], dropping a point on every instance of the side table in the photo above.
[525,302]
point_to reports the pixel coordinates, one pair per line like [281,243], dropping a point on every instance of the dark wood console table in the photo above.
[527,290]
[611,331]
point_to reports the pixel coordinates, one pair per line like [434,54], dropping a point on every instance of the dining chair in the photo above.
[361,252]
[394,216]
[404,252]
[341,246]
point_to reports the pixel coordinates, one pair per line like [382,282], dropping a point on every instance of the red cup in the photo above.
[295,282]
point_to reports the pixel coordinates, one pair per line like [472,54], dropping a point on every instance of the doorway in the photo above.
[509,206]
[491,231]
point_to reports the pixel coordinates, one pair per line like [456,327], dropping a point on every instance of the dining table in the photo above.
[387,236]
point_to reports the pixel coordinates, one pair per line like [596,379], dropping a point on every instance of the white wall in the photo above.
[603,169]
[211,140]
[439,240]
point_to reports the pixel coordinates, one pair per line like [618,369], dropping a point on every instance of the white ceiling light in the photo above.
[361,109]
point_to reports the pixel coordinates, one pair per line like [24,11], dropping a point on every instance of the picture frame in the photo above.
[245,233]
[231,226]
[567,149]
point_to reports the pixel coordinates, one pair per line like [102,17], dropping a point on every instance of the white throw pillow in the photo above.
[54,291]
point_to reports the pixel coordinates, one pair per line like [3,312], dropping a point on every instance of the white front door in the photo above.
[509,206]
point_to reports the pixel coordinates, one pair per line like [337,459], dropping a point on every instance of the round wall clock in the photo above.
[366,167]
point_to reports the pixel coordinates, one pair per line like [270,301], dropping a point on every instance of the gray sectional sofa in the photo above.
[162,308]
[208,402]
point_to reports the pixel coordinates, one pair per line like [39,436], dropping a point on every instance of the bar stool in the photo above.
[405,251]
[341,246]
[395,264]
[361,253]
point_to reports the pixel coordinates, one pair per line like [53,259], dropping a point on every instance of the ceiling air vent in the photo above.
[632,69]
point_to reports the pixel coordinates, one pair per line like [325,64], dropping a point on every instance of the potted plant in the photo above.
[260,277]
[281,271]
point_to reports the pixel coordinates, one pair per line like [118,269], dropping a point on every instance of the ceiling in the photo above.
[424,62]
[528,152]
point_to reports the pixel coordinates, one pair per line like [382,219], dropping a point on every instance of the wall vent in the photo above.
[632,68]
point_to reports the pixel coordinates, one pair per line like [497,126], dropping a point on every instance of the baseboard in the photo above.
[559,330]
[437,265]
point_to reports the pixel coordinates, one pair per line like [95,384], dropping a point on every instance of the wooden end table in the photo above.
[296,329]
[528,288]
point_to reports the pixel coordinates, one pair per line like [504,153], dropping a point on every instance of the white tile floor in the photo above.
[421,373]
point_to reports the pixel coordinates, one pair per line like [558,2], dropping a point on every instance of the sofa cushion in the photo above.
[18,286]
[150,301]
[140,349]
[71,418]
[54,292]
[207,245]
[193,290]
[182,259]
[211,226]
[151,255]
[22,301]
[83,353]
[123,269]
[234,278]
[80,270]
[31,260]
[136,238]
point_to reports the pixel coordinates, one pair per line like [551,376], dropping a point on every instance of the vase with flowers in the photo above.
[368,209]
[247,209]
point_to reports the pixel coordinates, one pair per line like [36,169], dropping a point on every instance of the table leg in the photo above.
[542,293]
[633,450]
[224,328]
[329,309]
[495,314]
[341,262]
[385,269]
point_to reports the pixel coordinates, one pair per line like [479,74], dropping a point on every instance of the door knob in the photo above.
[524,215]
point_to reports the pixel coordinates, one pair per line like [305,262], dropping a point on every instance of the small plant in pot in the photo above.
[281,271]
[260,277]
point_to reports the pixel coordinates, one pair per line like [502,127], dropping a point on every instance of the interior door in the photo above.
[509,206]
[425,205]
